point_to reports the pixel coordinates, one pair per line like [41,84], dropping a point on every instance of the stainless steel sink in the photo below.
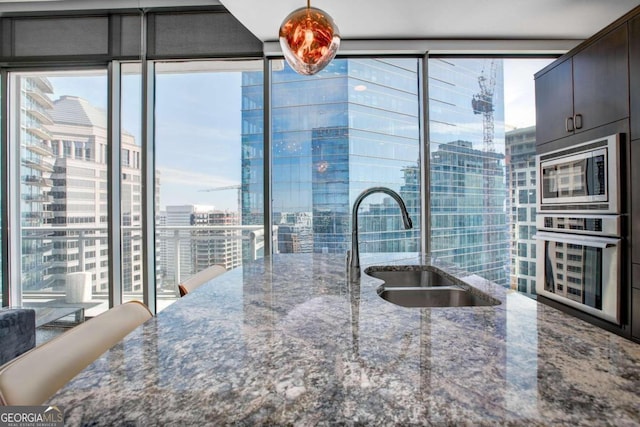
[426,286]
[442,296]
[410,276]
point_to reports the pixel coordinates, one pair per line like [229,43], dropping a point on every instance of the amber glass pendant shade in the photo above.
[309,39]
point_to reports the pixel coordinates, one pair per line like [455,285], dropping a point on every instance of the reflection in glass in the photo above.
[352,126]
[479,189]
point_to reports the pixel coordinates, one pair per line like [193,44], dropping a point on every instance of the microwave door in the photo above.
[579,178]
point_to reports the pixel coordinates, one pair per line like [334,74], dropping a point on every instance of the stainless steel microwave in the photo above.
[583,178]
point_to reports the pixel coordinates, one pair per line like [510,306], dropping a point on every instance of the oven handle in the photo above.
[577,239]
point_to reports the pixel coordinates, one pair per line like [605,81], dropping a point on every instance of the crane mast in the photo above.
[482,103]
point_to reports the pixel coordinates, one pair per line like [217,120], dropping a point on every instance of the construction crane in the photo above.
[482,103]
[229,187]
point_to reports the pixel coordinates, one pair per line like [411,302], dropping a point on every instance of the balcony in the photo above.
[39,147]
[37,198]
[41,99]
[40,116]
[37,215]
[42,83]
[37,181]
[39,133]
[40,165]
[176,258]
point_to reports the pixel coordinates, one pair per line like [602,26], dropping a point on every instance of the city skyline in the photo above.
[519,112]
[325,146]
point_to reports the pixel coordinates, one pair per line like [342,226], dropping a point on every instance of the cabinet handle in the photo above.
[568,124]
[577,119]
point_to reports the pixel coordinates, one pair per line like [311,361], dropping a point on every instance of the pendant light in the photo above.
[309,39]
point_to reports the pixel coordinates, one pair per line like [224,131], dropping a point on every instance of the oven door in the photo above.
[580,271]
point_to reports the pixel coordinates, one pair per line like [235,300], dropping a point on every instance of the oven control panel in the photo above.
[604,225]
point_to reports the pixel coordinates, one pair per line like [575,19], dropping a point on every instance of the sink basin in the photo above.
[410,276]
[426,286]
[443,296]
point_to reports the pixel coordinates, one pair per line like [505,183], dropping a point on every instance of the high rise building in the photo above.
[466,144]
[356,125]
[221,246]
[353,126]
[520,162]
[194,237]
[464,230]
[78,141]
[37,164]
[177,263]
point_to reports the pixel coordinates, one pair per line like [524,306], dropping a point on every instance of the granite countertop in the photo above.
[289,340]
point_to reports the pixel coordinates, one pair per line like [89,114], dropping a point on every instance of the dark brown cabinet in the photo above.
[588,89]
[634,76]
[554,102]
[590,92]
[634,222]
[635,300]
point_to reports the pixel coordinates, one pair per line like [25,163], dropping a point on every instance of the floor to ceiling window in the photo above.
[353,126]
[482,160]
[208,117]
[58,130]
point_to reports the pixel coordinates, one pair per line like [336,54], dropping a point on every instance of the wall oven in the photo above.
[579,262]
[579,243]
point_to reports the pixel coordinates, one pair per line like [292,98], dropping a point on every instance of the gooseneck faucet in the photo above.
[353,256]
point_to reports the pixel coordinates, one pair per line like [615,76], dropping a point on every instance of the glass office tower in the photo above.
[352,126]
[356,125]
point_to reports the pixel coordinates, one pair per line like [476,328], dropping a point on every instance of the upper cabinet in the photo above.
[634,81]
[585,90]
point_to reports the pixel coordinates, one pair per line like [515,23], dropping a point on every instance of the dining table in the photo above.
[291,339]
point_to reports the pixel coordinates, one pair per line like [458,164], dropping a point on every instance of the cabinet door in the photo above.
[634,76]
[634,183]
[635,313]
[600,81]
[554,102]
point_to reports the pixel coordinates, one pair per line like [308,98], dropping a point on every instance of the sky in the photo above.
[198,128]
[198,125]
[519,91]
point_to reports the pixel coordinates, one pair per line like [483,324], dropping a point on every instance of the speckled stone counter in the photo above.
[289,341]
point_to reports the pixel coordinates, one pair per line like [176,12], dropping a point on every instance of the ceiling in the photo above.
[396,19]
[442,19]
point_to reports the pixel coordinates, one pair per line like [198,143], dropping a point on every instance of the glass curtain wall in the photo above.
[353,126]
[482,160]
[208,117]
[58,127]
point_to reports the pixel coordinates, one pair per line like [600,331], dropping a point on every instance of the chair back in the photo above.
[199,278]
[37,375]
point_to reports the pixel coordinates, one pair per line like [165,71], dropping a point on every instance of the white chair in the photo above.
[35,376]
[199,278]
